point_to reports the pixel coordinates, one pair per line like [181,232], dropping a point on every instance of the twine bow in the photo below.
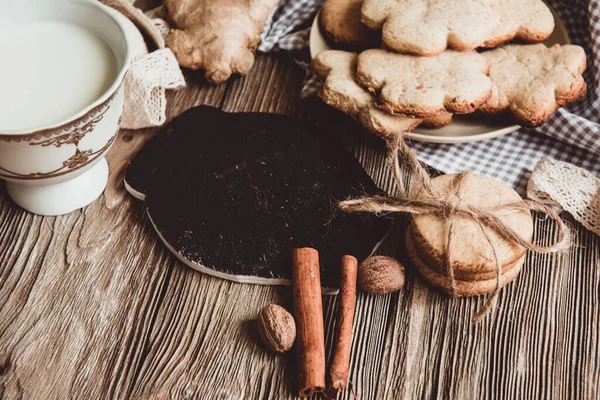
[449,207]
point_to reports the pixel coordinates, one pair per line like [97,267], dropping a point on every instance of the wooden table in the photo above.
[92,305]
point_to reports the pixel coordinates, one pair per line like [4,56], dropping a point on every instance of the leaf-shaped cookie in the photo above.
[533,81]
[337,68]
[425,86]
[428,27]
[217,36]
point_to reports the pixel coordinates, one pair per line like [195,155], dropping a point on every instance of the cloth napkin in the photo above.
[572,135]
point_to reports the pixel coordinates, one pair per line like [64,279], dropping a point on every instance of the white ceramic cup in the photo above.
[57,169]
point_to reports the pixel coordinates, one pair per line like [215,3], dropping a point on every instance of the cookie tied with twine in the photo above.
[473,258]
[469,233]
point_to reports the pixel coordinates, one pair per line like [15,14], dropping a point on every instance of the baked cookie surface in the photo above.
[341,25]
[428,27]
[529,21]
[340,90]
[472,253]
[474,286]
[531,82]
[455,82]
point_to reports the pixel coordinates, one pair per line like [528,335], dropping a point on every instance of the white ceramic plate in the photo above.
[463,128]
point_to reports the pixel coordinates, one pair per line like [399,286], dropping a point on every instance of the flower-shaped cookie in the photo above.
[428,27]
[532,81]
[527,20]
[337,69]
[425,86]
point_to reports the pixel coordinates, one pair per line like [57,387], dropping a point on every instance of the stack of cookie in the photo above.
[473,260]
[421,61]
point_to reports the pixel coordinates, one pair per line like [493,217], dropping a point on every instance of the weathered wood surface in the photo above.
[93,306]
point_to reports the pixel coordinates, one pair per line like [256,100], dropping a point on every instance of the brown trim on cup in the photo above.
[77,161]
[79,123]
[75,136]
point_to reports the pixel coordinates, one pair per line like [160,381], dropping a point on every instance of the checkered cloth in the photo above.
[572,135]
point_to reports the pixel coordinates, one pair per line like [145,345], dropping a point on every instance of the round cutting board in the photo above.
[463,128]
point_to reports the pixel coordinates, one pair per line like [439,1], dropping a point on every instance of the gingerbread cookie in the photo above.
[526,20]
[438,121]
[473,273]
[337,69]
[472,253]
[340,22]
[428,27]
[532,81]
[425,86]
[473,286]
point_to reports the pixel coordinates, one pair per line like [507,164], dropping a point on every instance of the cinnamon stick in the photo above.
[347,302]
[308,312]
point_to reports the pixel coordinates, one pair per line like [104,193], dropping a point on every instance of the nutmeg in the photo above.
[277,328]
[380,275]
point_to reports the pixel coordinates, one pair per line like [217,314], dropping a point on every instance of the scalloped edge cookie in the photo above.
[337,69]
[530,82]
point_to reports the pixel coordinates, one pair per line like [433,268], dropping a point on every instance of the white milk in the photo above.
[49,71]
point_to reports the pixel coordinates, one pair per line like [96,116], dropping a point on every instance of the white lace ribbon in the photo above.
[150,74]
[570,187]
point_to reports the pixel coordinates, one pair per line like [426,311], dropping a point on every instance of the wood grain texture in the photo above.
[93,306]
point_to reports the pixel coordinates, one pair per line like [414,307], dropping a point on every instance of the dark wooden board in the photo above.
[231,194]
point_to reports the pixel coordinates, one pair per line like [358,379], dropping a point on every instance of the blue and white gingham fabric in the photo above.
[571,135]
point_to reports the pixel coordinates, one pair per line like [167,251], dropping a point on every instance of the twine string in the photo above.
[449,207]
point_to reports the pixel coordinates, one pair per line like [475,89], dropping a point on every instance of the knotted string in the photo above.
[450,206]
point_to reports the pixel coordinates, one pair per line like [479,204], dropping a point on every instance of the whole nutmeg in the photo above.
[380,275]
[277,328]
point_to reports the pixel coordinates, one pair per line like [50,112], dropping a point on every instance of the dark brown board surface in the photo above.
[236,192]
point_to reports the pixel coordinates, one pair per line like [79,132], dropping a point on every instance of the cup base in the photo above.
[62,198]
